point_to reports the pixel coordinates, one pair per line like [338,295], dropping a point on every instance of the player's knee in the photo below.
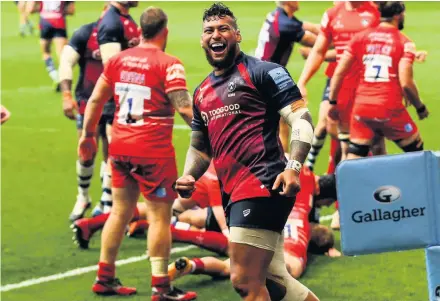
[360,150]
[244,283]
[412,144]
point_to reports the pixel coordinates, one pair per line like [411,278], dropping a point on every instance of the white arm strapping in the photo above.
[302,130]
[69,58]
[108,50]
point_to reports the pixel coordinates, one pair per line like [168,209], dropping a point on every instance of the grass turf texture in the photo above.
[39,153]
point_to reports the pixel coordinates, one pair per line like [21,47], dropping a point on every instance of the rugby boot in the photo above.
[174,294]
[112,287]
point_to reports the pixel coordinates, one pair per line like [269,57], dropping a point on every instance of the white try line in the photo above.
[80,271]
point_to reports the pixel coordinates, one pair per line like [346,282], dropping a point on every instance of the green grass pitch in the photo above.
[38,153]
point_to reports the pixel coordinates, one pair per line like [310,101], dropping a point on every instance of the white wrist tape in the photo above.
[69,57]
[295,165]
[302,130]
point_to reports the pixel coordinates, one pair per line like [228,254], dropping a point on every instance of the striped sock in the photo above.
[106,197]
[84,175]
[50,67]
[317,143]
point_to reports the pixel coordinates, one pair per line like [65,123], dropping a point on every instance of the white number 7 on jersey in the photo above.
[131,103]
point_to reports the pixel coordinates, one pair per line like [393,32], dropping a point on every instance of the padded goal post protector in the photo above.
[389,203]
[433,272]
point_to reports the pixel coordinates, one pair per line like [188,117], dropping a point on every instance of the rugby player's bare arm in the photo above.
[341,70]
[33,7]
[409,87]
[69,58]
[313,28]
[308,39]
[315,59]
[108,50]
[182,102]
[330,55]
[198,156]
[101,94]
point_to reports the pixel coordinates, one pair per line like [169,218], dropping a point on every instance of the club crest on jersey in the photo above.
[232,85]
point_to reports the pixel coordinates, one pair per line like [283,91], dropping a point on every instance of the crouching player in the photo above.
[386,57]
[300,236]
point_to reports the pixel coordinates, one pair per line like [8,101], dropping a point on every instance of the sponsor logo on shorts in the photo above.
[408,128]
[246,212]
[387,194]
[160,192]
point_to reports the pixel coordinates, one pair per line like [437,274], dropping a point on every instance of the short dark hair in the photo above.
[389,9]
[219,10]
[153,20]
[321,240]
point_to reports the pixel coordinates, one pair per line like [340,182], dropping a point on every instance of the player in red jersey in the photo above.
[117,31]
[4,114]
[300,236]
[386,58]
[148,86]
[339,24]
[236,116]
[52,27]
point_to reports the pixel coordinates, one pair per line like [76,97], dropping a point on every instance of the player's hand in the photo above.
[423,112]
[87,148]
[332,252]
[185,186]
[290,181]
[421,56]
[70,106]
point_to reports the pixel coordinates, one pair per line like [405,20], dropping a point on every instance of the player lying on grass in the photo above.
[209,216]
[300,237]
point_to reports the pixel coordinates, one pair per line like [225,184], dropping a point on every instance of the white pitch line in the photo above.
[80,271]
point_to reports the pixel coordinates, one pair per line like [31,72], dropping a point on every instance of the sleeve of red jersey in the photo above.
[409,50]
[325,25]
[175,78]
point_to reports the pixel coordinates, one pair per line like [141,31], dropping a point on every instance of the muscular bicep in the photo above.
[69,58]
[405,72]
[180,99]
[308,39]
[322,44]
[108,50]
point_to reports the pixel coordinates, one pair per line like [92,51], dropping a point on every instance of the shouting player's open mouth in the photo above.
[218,48]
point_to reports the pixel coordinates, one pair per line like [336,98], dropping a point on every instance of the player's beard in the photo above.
[226,62]
[401,23]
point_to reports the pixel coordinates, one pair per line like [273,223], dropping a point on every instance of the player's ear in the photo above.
[238,34]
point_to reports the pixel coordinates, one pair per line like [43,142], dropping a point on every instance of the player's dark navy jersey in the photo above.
[115,27]
[238,111]
[279,32]
[85,43]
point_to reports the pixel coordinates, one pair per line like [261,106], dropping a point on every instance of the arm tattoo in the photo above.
[198,157]
[180,99]
[299,149]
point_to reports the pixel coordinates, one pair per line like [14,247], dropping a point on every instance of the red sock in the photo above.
[335,145]
[106,271]
[161,283]
[97,222]
[199,266]
[337,205]
[135,215]
[210,240]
